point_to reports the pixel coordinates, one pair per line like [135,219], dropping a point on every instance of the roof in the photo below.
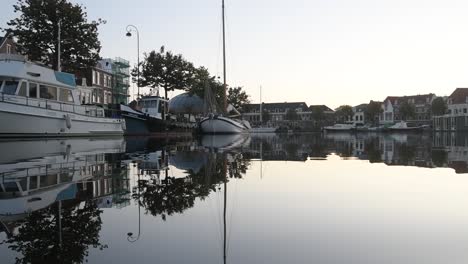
[418,99]
[324,108]
[459,96]
[281,106]
[360,108]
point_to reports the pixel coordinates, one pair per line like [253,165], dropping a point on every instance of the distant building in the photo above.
[106,83]
[422,104]
[95,87]
[359,113]
[457,117]
[7,45]
[294,115]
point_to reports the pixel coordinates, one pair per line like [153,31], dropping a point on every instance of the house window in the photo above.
[464,110]
[94,76]
[8,48]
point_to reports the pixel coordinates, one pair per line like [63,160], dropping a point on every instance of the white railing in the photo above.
[92,111]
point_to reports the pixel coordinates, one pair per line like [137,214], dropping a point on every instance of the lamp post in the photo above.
[129,29]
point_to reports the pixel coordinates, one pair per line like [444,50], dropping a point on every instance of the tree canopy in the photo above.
[373,110]
[344,112]
[163,69]
[439,106]
[407,110]
[237,97]
[36,30]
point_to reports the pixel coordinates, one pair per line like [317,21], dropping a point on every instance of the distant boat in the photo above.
[216,123]
[404,126]
[341,127]
[38,101]
[155,107]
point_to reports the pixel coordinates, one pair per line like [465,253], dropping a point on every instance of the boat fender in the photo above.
[68,121]
[124,126]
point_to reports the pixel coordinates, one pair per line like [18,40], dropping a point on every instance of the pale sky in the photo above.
[329,52]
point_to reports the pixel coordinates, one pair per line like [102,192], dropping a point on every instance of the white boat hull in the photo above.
[222,125]
[23,120]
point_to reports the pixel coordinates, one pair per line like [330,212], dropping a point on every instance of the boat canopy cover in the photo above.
[65,78]
[186,104]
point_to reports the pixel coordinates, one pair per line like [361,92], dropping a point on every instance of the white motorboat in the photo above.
[341,127]
[38,101]
[403,126]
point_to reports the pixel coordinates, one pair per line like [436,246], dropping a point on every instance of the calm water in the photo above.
[336,198]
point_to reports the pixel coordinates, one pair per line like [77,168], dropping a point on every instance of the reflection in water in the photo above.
[53,193]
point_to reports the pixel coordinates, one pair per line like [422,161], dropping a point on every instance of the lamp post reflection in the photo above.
[130,237]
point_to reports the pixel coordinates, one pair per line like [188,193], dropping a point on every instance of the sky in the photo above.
[331,52]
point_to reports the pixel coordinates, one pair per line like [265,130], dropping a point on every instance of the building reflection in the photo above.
[51,197]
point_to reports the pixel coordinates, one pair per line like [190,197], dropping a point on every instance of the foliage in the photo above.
[165,70]
[266,116]
[439,157]
[291,114]
[36,30]
[38,240]
[318,115]
[175,195]
[373,110]
[344,113]
[439,106]
[407,110]
[237,97]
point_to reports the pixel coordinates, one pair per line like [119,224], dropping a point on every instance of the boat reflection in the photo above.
[52,192]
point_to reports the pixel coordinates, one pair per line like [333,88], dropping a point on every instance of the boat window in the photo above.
[33,90]
[48,92]
[10,87]
[23,89]
[65,95]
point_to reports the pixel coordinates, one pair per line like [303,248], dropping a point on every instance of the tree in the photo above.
[36,30]
[37,239]
[237,97]
[318,115]
[407,110]
[344,112]
[165,70]
[291,114]
[439,106]
[266,116]
[373,110]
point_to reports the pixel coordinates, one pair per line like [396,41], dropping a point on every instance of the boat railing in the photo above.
[86,110]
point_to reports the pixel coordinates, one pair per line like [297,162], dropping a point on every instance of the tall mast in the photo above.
[59,66]
[224,64]
[261,112]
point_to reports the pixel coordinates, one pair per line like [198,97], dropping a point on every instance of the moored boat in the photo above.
[38,101]
[404,126]
[341,127]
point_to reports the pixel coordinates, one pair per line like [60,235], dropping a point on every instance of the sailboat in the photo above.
[217,123]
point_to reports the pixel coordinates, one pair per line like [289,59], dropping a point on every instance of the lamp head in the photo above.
[129,34]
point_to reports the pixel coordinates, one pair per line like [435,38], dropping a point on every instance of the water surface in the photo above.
[312,198]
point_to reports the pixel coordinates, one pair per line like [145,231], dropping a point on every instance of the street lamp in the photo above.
[129,29]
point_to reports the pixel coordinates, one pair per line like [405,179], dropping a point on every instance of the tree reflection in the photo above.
[174,195]
[57,236]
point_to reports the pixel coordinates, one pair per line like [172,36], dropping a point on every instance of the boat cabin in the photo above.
[31,84]
[153,106]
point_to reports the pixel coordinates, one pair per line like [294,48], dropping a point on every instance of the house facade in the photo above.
[293,115]
[107,83]
[359,116]
[456,118]
[7,45]
[95,87]
[422,106]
